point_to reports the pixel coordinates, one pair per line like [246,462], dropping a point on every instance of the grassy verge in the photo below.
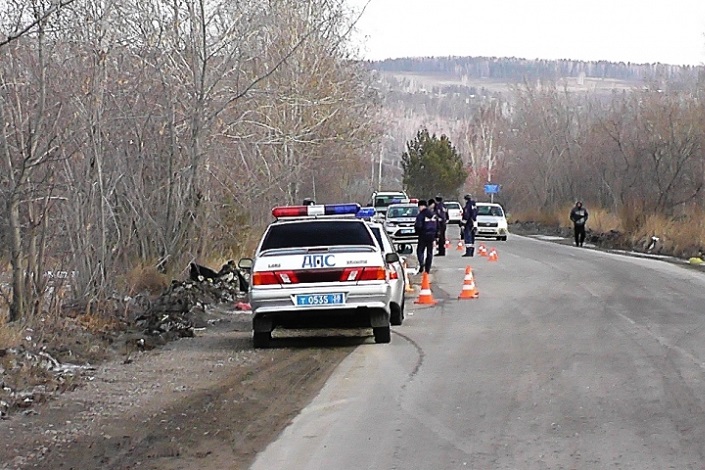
[682,236]
[33,350]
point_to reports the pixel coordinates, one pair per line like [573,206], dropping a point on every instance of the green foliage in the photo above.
[432,166]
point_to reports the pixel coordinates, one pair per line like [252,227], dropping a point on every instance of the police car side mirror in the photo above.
[391,258]
[245,263]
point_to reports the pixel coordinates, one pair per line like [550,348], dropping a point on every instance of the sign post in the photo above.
[491,189]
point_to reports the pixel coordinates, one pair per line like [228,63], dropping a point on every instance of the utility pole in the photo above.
[489,167]
[381,158]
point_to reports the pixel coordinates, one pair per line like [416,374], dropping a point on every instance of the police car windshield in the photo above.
[494,211]
[396,212]
[319,233]
[384,201]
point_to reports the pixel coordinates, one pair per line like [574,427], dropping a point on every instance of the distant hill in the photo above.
[444,93]
[516,70]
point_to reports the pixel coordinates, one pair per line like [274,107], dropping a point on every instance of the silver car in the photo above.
[319,269]
[399,223]
[397,277]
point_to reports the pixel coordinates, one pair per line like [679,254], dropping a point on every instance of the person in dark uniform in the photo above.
[426,227]
[579,216]
[442,214]
[469,224]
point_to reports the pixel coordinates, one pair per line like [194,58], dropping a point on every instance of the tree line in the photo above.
[155,133]
[639,153]
[516,70]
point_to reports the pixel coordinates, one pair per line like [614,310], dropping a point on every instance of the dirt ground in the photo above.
[209,402]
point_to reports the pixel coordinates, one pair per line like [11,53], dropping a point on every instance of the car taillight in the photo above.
[264,278]
[373,273]
[268,278]
[287,277]
[369,273]
[393,275]
[350,274]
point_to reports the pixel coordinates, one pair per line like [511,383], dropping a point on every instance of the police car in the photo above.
[397,273]
[320,266]
[399,223]
[381,200]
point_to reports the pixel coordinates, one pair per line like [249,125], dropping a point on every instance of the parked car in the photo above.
[397,274]
[399,223]
[320,266]
[491,221]
[381,200]
[455,212]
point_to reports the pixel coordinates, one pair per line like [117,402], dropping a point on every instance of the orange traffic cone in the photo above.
[447,243]
[425,297]
[461,247]
[493,256]
[482,250]
[469,288]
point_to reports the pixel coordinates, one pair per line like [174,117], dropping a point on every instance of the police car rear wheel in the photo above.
[261,339]
[383,334]
[397,316]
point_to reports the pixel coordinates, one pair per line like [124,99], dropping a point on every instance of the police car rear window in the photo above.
[319,233]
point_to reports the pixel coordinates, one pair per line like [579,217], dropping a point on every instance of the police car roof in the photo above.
[404,204]
[318,218]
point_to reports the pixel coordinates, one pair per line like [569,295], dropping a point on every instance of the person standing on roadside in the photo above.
[426,227]
[469,224]
[579,217]
[442,214]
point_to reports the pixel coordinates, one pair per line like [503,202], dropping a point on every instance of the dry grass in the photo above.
[146,278]
[682,236]
[10,335]
[543,217]
[601,220]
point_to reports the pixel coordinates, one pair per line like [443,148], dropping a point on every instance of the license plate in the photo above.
[310,300]
[407,231]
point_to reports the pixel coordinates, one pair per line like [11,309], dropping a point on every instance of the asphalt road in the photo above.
[571,358]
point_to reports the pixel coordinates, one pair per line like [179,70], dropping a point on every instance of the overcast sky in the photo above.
[668,31]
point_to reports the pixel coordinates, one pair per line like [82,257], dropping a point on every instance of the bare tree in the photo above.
[28,133]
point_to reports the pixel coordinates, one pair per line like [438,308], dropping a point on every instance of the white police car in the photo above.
[397,274]
[320,266]
[399,222]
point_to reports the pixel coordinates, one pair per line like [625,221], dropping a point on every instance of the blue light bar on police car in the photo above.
[366,213]
[314,210]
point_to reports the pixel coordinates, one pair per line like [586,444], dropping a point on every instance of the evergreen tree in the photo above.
[432,165]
